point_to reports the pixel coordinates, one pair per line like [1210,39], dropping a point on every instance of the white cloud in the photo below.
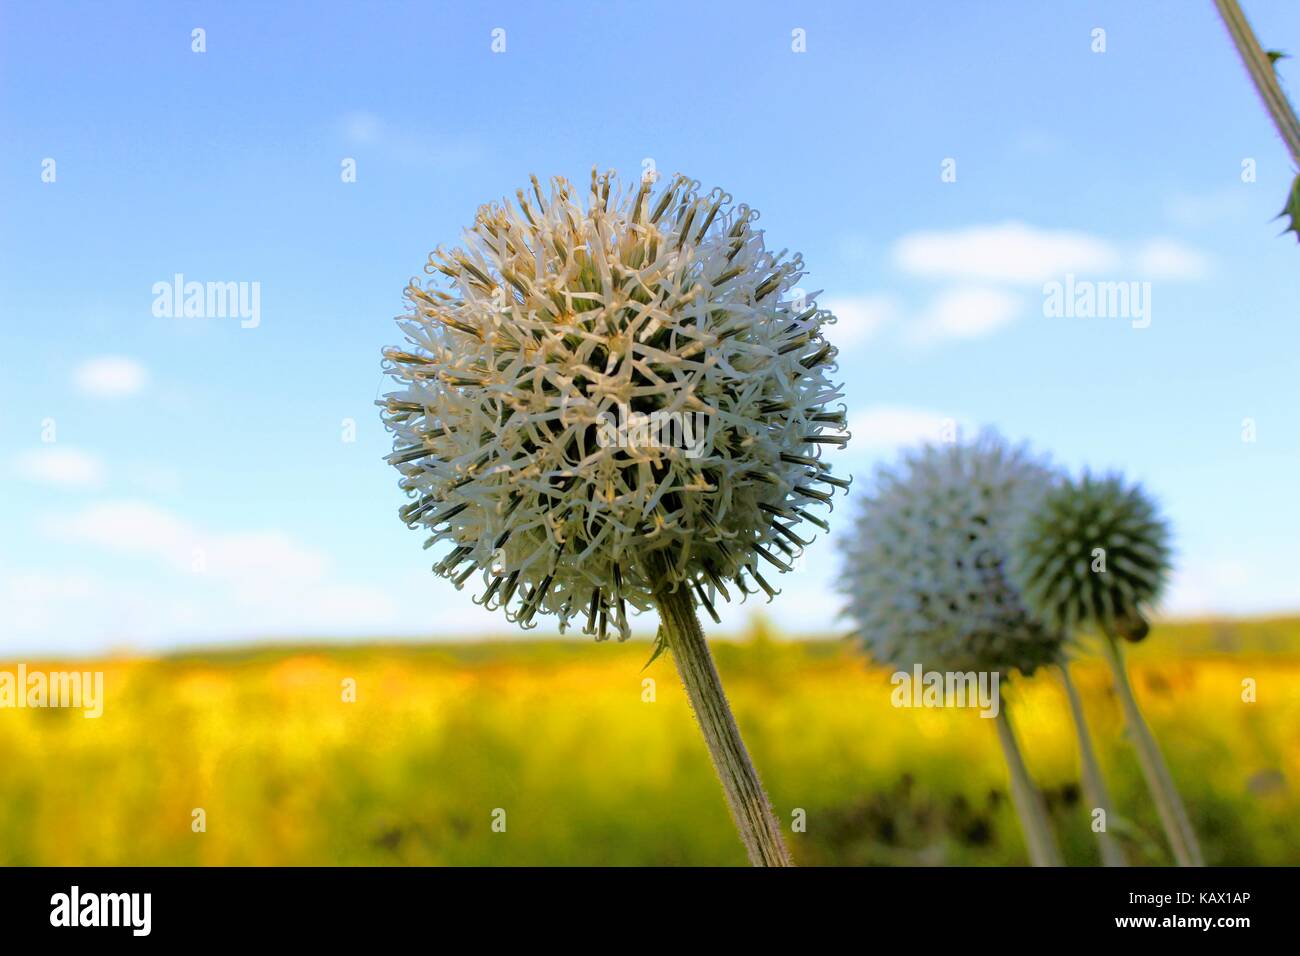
[225,585]
[78,612]
[1017,253]
[110,376]
[321,607]
[361,129]
[1009,252]
[964,313]
[1197,211]
[856,248]
[1206,587]
[407,144]
[1035,142]
[41,604]
[860,318]
[254,561]
[72,611]
[67,467]
[887,427]
[355,605]
[1170,259]
[126,527]
[154,479]
[260,559]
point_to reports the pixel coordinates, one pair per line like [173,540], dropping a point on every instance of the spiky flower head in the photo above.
[925,563]
[1093,552]
[593,385]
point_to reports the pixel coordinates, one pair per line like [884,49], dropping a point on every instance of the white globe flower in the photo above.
[925,569]
[603,395]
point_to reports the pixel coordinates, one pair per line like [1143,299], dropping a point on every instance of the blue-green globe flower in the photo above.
[1093,552]
[925,563]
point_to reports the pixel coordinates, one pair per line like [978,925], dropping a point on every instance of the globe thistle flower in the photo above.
[925,565]
[560,323]
[925,577]
[544,364]
[1093,552]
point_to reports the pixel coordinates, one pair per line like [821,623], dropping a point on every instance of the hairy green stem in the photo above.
[1094,784]
[750,808]
[1262,74]
[1169,805]
[1029,805]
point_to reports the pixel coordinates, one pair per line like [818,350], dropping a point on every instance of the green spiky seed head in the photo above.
[1092,553]
[924,565]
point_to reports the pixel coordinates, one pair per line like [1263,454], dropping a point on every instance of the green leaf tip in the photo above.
[661,644]
[1292,209]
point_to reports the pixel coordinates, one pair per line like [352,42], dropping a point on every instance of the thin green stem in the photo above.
[750,808]
[1094,784]
[1169,805]
[1261,71]
[1029,805]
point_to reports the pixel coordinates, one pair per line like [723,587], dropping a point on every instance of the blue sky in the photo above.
[172,480]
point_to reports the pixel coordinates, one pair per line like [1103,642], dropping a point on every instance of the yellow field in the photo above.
[591,766]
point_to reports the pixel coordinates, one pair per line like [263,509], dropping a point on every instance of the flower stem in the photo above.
[1262,74]
[749,806]
[1094,784]
[1173,815]
[1028,801]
